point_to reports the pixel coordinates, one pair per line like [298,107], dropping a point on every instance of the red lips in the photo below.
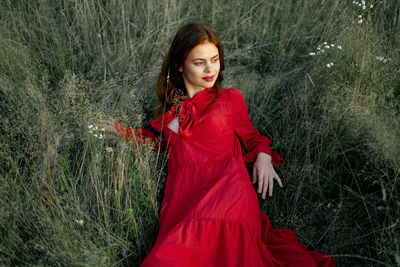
[208,78]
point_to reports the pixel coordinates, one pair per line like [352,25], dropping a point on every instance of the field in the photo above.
[321,79]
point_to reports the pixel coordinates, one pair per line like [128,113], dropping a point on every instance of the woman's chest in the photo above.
[208,123]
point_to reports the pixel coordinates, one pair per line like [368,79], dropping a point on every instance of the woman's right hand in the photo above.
[109,127]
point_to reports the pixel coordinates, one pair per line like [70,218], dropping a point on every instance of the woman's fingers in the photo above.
[111,128]
[268,184]
[262,181]
[108,125]
[265,178]
[110,119]
[271,185]
[113,135]
[254,175]
[279,180]
[260,177]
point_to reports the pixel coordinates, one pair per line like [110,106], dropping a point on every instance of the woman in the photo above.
[210,214]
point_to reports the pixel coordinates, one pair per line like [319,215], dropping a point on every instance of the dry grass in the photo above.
[64,200]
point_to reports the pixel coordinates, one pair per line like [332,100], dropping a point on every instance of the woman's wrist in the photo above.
[265,155]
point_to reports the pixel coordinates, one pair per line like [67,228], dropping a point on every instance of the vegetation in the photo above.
[69,198]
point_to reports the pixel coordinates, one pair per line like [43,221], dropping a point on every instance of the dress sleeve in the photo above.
[253,141]
[141,136]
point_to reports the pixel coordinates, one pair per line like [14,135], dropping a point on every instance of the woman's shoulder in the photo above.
[232,94]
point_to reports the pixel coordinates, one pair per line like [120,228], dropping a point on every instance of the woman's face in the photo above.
[201,67]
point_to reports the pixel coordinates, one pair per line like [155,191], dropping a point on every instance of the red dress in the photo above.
[210,214]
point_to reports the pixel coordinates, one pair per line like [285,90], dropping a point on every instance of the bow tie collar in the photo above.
[188,114]
[187,117]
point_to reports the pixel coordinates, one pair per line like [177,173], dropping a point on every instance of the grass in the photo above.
[64,200]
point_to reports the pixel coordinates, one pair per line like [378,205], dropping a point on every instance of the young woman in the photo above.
[210,214]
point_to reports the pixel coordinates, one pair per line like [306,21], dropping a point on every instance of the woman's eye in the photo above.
[198,63]
[215,60]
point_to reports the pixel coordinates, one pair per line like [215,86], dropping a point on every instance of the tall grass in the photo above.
[65,200]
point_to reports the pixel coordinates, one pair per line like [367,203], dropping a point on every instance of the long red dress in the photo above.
[210,214]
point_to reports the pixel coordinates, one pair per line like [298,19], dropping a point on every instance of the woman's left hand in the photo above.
[265,173]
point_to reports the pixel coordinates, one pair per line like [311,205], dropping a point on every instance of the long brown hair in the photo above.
[187,37]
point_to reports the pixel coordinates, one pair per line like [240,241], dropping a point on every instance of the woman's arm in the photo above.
[257,146]
[145,135]
[253,141]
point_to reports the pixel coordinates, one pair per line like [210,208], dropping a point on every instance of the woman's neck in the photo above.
[192,92]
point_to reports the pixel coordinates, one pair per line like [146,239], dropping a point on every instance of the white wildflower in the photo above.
[339,47]
[331,64]
[312,54]
[332,45]
[109,149]
[90,131]
[359,21]
[95,135]
[371,6]
[90,126]
[102,129]
[100,136]
[382,59]
[325,43]
[363,2]
[359,16]
[80,222]
[318,48]
[327,47]
[359,4]
[328,65]
[96,128]
[322,51]
[364,7]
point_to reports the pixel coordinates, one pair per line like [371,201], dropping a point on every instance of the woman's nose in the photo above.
[208,67]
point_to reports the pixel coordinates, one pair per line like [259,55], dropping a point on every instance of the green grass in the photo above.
[64,65]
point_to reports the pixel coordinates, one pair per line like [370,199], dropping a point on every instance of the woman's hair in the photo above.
[187,37]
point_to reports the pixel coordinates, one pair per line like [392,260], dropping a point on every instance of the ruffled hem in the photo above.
[219,242]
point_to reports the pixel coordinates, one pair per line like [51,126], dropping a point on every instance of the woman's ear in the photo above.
[180,69]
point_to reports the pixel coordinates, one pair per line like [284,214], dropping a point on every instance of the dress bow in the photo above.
[187,118]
